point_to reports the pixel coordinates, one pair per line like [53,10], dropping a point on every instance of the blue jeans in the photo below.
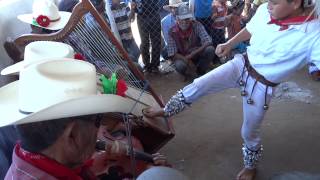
[132,49]
[201,61]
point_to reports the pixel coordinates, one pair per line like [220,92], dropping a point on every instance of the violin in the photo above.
[121,166]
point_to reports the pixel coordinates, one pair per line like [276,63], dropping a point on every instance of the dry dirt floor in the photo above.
[207,145]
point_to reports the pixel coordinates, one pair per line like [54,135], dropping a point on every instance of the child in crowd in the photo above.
[234,24]
[284,36]
[123,16]
[219,12]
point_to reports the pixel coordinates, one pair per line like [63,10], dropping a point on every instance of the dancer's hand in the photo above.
[159,159]
[152,112]
[223,49]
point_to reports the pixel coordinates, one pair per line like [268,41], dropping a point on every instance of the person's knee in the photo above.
[209,51]
[181,66]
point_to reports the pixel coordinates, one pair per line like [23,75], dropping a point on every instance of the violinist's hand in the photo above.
[152,112]
[223,49]
[100,163]
[117,149]
[159,159]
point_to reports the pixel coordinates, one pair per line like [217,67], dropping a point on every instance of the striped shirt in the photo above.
[121,18]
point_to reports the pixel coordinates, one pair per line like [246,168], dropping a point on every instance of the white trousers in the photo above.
[227,76]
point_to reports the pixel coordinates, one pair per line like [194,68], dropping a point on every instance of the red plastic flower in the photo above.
[43,21]
[121,88]
[78,56]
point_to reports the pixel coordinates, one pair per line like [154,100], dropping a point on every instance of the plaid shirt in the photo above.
[198,32]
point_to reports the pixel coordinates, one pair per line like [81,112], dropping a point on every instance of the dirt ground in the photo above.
[207,145]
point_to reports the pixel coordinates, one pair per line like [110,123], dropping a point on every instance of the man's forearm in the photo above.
[243,35]
[198,50]
[178,56]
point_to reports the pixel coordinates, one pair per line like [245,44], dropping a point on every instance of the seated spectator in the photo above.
[123,16]
[189,44]
[169,21]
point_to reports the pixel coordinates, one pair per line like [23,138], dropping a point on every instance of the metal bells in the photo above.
[241,83]
[243,93]
[250,101]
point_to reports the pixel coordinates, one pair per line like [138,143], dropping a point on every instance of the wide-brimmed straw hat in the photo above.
[40,50]
[173,3]
[57,88]
[46,15]
[184,12]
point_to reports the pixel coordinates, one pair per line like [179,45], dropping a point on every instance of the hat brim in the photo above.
[93,104]
[15,68]
[186,16]
[64,18]
[167,7]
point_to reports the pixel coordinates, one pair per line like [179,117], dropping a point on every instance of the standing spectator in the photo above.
[203,12]
[169,21]
[122,16]
[218,26]
[149,25]
[189,44]
[67,5]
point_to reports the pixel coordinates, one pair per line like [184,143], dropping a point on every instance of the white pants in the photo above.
[227,76]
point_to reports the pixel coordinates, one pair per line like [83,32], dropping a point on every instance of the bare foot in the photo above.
[246,174]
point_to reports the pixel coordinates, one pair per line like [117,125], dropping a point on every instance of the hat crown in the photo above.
[40,50]
[46,8]
[184,12]
[48,83]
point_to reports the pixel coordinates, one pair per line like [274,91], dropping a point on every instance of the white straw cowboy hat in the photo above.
[184,12]
[46,15]
[40,50]
[173,3]
[57,88]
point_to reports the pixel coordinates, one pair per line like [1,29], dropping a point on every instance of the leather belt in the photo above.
[253,73]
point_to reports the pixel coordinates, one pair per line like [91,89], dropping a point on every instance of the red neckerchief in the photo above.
[54,168]
[183,36]
[284,24]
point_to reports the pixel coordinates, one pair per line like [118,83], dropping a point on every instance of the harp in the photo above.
[89,34]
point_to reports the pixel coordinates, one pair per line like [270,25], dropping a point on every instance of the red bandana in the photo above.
[54,168]
[284,24]
[184,34]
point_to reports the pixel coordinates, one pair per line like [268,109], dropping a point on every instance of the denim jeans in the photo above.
[132,49]
[201,61]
